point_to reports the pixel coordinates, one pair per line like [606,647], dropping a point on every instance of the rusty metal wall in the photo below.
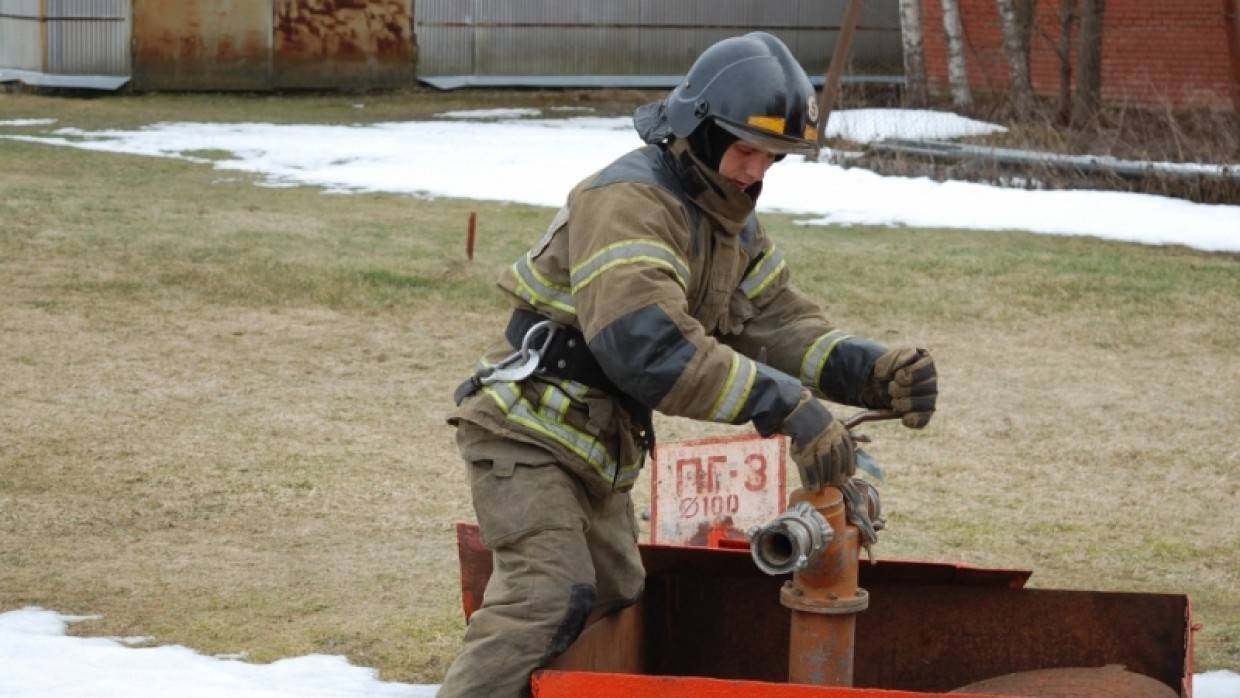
[88,37]
[636,37]
[21,45]
[271,44]
[202,44]
[343,43]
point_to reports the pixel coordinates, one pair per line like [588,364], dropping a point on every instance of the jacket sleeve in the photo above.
[794,334]
[629,245]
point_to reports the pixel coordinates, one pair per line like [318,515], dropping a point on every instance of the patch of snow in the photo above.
[40,661]
[489,113]
[27,122]
[131,640]
[861,197]
[537,161]
[1216,684]
[869,125]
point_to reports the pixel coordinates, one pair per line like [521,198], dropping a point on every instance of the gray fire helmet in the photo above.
[751,86]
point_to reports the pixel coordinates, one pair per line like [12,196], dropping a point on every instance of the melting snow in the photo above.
[536,161]
[41,661]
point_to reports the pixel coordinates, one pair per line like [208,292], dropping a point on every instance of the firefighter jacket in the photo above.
[686,305]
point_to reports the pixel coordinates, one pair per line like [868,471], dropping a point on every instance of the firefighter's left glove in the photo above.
[822,448]
[904,380]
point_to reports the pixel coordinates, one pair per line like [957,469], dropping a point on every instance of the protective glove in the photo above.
[822,448]
[905,380]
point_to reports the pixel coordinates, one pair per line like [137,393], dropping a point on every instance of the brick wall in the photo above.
[1185,52]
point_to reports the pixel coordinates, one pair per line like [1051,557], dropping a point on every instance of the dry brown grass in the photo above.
[221,406]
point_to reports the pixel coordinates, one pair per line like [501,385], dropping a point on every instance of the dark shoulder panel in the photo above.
[644,166]
[749,236]
[651,165]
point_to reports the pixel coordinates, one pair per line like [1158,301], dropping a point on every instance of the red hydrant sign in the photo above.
[709,490]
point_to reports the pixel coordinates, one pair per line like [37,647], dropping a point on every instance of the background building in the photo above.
[1154,52]
[1178,52]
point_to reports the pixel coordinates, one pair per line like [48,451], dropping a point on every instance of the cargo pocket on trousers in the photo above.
[514,500]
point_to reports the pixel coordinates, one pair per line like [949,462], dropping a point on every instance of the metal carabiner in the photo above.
[523,362]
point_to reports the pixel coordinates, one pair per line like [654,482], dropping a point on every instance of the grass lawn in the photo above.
[222,406]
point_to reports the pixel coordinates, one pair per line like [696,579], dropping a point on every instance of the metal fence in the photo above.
[633,43]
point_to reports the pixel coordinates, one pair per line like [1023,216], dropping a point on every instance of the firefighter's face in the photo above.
[745,165]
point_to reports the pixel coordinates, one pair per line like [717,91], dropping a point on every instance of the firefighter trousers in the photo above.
[558,556]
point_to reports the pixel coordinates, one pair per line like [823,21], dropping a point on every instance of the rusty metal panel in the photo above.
[343,43]
[88,37]
[571,684]
[21,45]
[610,38]
[929,626]
[202,44]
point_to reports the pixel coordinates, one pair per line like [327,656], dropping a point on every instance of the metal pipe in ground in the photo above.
[824,600]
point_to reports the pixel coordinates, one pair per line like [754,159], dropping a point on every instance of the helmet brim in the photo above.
[775,143]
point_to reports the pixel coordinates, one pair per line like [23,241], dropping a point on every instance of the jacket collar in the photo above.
[716,196]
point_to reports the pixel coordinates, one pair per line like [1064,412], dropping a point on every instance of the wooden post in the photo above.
[470,235]
[835,69]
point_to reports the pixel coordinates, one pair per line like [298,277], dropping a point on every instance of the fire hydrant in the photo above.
[814,541]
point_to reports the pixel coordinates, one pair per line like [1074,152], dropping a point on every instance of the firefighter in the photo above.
[654,288]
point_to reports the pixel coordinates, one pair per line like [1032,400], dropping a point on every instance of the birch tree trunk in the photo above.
[957,75]
[1016,49]
[1089,61]
[914,55]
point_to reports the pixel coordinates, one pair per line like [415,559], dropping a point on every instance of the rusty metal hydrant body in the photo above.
[824,599]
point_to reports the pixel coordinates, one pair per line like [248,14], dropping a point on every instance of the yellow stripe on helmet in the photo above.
[774,124]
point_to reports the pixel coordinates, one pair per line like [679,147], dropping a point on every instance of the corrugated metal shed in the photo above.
[65,43]
[646,43]
[272,44]
[88,37]
[21,43]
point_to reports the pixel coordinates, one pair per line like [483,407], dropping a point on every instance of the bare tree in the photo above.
[1063,48]
[1089,61]
[1016,49]
[914,54]
[957,75]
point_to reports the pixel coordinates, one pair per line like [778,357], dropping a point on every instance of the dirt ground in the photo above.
[222,406]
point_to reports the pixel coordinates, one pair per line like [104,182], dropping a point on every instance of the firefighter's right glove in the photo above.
[904,380]
[822,448]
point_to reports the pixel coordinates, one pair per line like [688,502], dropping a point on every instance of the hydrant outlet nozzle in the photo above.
[792,541]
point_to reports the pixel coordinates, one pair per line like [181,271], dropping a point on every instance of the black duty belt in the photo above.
[562,353]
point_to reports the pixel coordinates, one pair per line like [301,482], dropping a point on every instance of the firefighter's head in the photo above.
[747,89]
